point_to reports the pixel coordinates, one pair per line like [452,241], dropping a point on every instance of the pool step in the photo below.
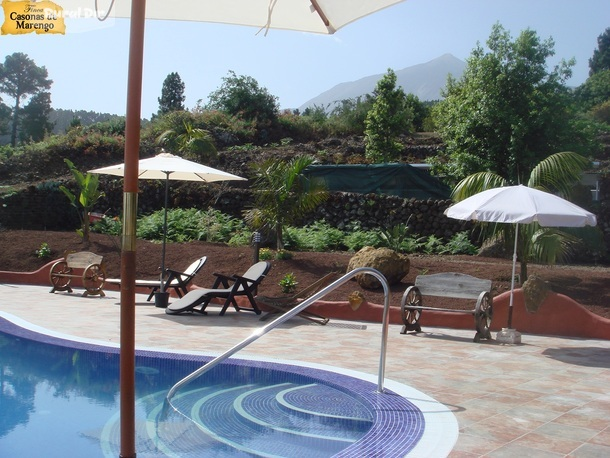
[282,420]
[251,418]
[303,410]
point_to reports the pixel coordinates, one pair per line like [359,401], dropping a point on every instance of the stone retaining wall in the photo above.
[45,207]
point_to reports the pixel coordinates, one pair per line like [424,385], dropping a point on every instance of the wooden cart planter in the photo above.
[454,285]
[93,273]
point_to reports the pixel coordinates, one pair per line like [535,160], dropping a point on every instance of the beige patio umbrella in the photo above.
[165,166]
[316,16]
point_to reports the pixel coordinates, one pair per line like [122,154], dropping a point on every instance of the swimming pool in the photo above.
[64,394]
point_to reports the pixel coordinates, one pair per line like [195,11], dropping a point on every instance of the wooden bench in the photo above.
[454,285]
[93,273]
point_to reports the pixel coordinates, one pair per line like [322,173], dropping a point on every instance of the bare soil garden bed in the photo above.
[588,285]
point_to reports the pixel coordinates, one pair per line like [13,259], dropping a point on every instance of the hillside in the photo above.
[62,119]
[26,170]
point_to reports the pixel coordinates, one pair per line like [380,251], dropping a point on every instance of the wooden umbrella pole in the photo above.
[128,250]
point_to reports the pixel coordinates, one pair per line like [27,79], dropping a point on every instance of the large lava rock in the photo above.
[535,291]
[394,266]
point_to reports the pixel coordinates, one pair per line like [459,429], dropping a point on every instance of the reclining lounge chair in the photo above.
[227,288]
[179,281]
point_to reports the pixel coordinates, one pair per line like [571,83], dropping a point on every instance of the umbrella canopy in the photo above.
[520,205]
[316,16]
[167,167]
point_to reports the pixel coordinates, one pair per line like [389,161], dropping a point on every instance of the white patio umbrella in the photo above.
[520,205]
[165,166]
[317,16]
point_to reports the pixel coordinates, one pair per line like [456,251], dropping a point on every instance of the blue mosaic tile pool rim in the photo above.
[398,426]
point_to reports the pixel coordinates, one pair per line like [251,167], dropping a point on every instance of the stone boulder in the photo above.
[535,291]
[394,266]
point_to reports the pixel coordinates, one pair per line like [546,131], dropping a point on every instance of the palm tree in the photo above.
[557,174]
[282,194]
[192,143]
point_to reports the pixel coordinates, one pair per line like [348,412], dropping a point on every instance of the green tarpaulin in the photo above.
[401,180]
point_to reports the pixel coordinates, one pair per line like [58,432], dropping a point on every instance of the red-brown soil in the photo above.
[587,285]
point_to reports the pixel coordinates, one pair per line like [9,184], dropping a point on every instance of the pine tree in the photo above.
[20,77]
[601,56]
[35,118]
[172,94]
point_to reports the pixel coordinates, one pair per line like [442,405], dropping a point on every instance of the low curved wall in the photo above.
[558,315]
[42,277]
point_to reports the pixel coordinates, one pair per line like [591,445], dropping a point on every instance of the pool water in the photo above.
[59,397]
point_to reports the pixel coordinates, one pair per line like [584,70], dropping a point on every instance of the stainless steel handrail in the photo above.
[286,316]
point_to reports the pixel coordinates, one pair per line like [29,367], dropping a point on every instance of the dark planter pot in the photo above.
[161,299]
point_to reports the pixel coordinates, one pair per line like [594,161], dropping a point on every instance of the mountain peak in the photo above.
[424,80]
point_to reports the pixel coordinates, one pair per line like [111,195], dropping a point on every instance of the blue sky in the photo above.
[89,64]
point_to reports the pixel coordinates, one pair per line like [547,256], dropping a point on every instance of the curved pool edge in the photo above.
[441,428]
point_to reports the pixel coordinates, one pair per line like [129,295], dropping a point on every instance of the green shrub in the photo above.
[357,239]
[107,225]
[265,254]
[303,128]
[44,251]
[433,245]
[288,283]
[283,254]
[412,244]
[459,244]
[184,225]
[6,151]
[216,226]
[319,236]
[240,238]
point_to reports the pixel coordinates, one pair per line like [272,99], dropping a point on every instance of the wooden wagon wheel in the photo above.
[59,275]
[410,316]
[483,313]
[93,279]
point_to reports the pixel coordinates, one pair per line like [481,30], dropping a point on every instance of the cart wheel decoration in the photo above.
[410,316]
[93,280]
[483,313]
[59,276]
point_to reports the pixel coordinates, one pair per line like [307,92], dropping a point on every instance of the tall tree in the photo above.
[349,115]
[242,96]
[35,118]
[5,117]
[419,109]
[172,94]
[507,112]
[20,77]
[601,56]
[388,118]
[594,91]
